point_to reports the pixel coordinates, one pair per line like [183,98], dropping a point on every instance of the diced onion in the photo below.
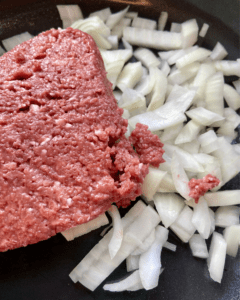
[204,30]
[232,237]
[144,23]
[117,236]
[227,216]
[219,52]
[132,262]
[114,19]
[198,246]
[152,182]
[147,57]
[15,40]
[189,58]
[130,76]
[103,14]
[223,198]
[162,20]
[203,116]
[231,96]
[145,245]
[189,33]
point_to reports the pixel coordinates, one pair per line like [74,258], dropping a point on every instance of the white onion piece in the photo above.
[208,141]
[147,57]
[230,166]
[133,101]
[127,45]
[227,130]
[130,76]
[167,185]
[101,264]
[144,23]
[69,14]
[228,67]
[217,257]
[212,218]
[118,95]
[232,116]
[165,69]
[92,24]
[158,91]
[184,74]
[177,55]
[232,237]
[236,148]
[219,52]
[131,14]
[113,70]
[183,226]
[168,206]
[171,133]
[170,246]
[175,27]
[113,40]
[15,40]
[189,58]
[227,216]
[114,19]
[162,20]
[103,14]
[126,284]
[198,246]
[152,38]
[231,96]
[150,261]
[203,116]
[223,198]
[179,176]
[176,92]
[85,228]
[115,55]
[152,182]
[214,93]
[204,30]
[204,72]
[189,33]
[100,40]
[189,132]
[132,262]
[117,236]
[145,245]
[204,159]
[191,147]
[105,230]
[166,55]
[201,218]
[236,84]
[188,162]
[146,84]
[118,29]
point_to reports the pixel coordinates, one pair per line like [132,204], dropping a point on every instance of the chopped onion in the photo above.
[146,84]
[133,101]
[115,55]
[131,14]
[113,40]
[228,67]
[236,84]
[165,68]
[179,176]
[191,147]
[201,218]
[204,30]
[170,246]
[147,57]
[130,76]
[184,74]
[144,23]
[152,182]
[113,70]
[117,236]
[150,261]
[162,20]
[118,29]
[159,90]
[93,24]
[128,284]
[166,55]
[168,206]
[189,33]
[114,19]
[198,246]
[175,27]
[72,233]
[145,245]
[232,237]
[227,216]
[103,14]
[208,141]
[183,226]
[127,45]
[193,56]
[1,51]
[167,185]
[69,14]
[118,95]
[132,262]
[219,52]
[189,132]
[15,40]
[180,53]
[231,96]
[217,257]
[171,133]
[214,93]
[203,116]
[223,198]
[152,38]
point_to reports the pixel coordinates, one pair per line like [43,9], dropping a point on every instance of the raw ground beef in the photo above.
[198,187]
[64,156]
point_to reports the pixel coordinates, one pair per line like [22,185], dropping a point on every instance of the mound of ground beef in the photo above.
[64,155]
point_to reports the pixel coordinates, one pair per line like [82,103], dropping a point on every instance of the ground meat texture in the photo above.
[198,187]
[64,156]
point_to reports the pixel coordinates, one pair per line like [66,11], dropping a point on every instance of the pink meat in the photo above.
[63,154]
[198,187]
